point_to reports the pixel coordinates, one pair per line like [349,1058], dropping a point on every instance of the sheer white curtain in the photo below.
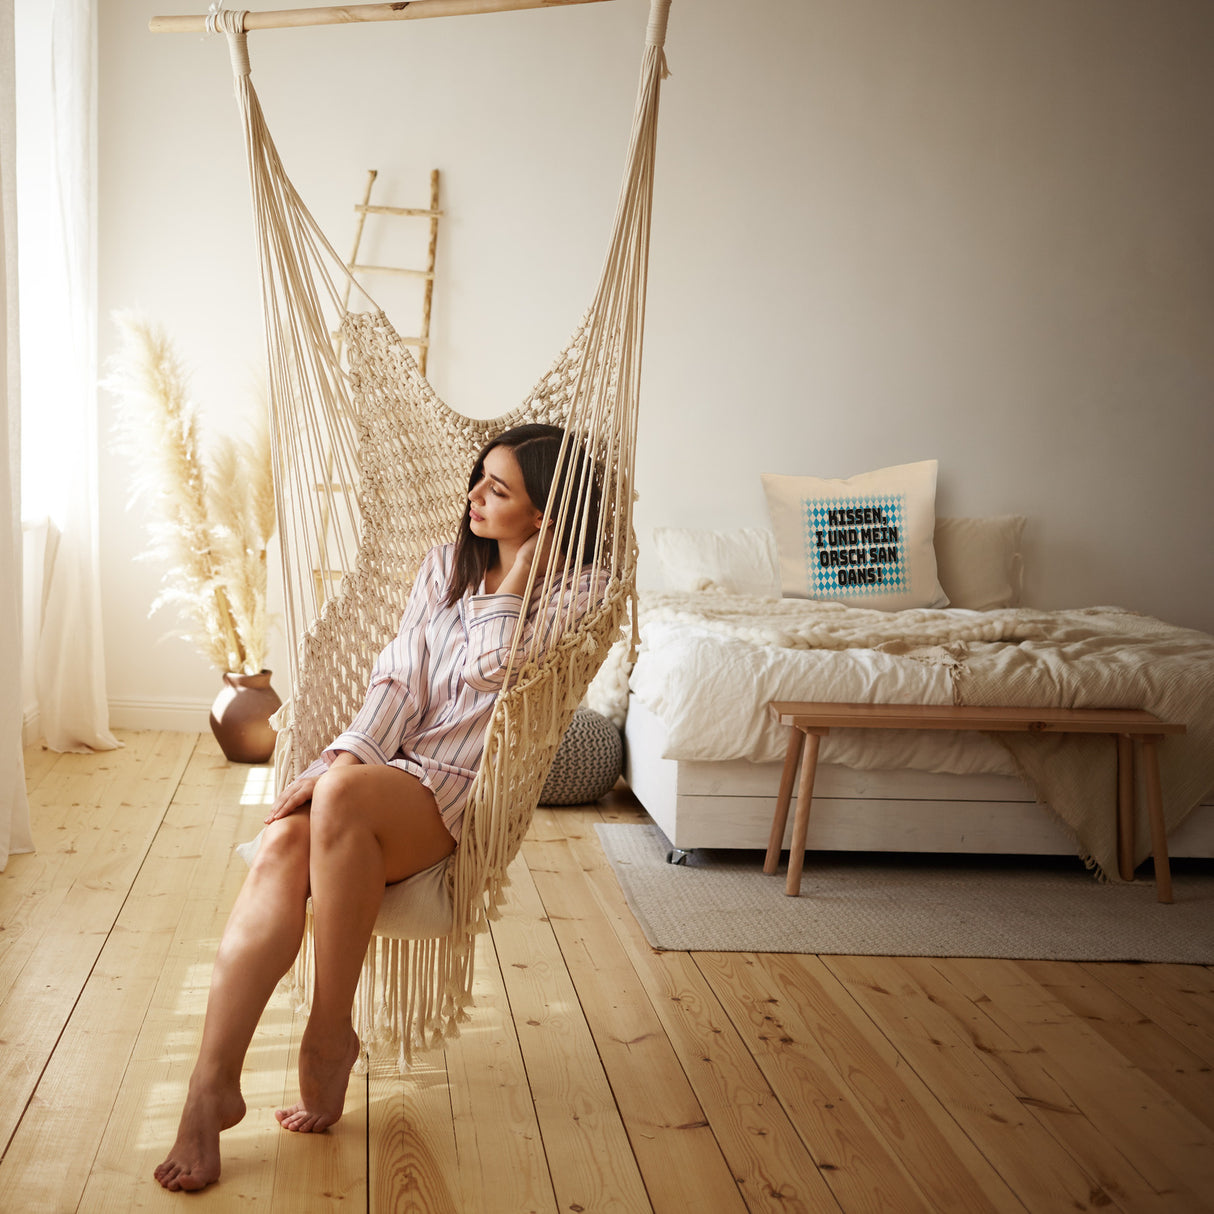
[70,667]
[14,808]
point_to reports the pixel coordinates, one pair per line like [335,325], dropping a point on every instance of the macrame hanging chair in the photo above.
[350,557]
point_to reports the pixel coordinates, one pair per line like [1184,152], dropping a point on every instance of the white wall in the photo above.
[884,232]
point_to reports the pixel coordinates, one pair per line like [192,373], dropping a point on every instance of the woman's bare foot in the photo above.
[324,1073]
[193,1163]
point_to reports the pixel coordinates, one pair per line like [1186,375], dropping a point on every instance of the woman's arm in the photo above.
[492,620]
[399,687]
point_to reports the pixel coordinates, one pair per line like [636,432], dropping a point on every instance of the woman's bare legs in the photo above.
[394,831]
[259,943]
[371,826]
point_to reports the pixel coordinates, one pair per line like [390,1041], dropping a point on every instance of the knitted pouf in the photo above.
[588,761]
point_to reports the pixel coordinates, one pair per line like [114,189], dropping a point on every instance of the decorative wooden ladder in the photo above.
[422,342]
[326,576]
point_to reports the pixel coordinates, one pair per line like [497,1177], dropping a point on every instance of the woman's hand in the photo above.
[293,798]
[515,580]
[542,539]
[298,794]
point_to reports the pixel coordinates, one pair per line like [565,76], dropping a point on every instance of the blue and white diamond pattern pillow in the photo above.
[865,540]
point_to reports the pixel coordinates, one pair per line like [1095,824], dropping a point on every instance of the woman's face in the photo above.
[499,506]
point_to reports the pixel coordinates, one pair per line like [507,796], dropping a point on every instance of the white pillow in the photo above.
[978,560]
[739,561]
[865,541]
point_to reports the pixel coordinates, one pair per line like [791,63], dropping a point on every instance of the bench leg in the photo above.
[1159,835]
[800,825]
[1125,806]
[796,743]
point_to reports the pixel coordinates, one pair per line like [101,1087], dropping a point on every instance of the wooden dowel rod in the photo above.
[419,213]
[353,14]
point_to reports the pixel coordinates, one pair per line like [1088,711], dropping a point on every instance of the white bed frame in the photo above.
[730,805]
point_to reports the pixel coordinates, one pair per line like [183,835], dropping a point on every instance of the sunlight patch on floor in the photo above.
[258,787]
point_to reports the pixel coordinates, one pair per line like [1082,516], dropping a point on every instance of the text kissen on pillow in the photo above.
[865,540]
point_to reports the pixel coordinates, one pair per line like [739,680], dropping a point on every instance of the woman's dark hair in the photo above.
[537,449]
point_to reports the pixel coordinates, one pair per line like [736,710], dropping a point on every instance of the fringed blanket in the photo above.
[1100,657]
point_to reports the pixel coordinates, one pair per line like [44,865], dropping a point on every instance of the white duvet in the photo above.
[692,678]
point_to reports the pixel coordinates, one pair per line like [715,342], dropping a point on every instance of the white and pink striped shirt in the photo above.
[433,688]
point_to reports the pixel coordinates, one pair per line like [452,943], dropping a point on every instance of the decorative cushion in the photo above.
[739,561]
[865,541]
[978,560]
[588,761]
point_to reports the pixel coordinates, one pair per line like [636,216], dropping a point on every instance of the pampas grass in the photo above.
[215,522]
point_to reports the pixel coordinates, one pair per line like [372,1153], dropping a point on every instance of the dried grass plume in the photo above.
[214,522]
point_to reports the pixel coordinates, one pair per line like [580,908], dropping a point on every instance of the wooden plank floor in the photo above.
[596,1074]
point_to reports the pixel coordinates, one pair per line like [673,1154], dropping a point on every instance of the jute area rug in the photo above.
[908,906]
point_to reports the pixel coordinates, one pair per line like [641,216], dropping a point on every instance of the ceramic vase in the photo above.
[240,717]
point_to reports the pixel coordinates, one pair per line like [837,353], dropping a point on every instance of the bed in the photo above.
[721,642]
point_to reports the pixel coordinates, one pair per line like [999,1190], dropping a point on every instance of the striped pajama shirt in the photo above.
[433,687]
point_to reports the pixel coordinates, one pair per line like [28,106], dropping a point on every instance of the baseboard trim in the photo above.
[176,716]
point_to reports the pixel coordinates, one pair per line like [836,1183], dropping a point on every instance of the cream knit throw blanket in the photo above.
[1099,657]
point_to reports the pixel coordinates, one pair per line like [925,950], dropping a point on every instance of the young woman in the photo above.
[385,801]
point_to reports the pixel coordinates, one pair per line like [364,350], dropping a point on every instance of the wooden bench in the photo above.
[810,720]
